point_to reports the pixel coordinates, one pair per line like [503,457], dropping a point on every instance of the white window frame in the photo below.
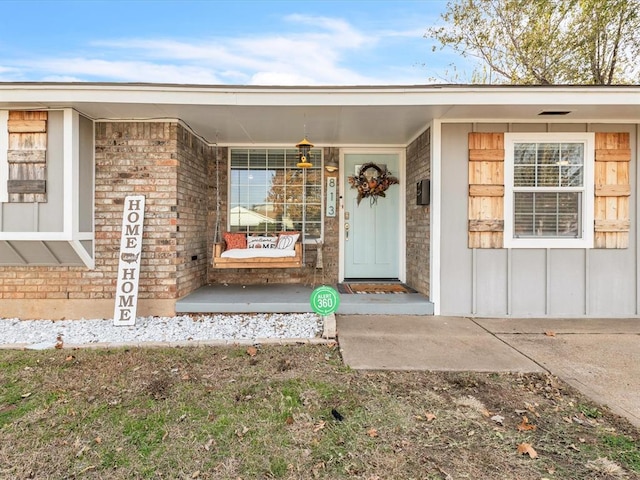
[320,150]
[586,238]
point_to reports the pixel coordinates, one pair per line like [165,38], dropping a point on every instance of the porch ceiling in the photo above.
[339,116]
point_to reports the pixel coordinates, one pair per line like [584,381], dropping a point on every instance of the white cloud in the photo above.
[128,71]
[62,78]
[324,51]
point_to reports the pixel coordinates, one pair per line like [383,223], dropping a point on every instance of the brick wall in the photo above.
[176,172]
[331,247]
[52,283]
[163,162]
[251,276]
[131,158]
[418,216]
[192,206]
[137,158]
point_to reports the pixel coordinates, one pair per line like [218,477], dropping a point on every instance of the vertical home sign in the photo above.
[129,265]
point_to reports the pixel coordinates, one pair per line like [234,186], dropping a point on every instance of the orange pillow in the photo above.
[235,240]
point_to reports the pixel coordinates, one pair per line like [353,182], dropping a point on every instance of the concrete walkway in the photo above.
[599,357]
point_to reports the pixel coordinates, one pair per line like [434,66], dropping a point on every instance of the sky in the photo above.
[241,42]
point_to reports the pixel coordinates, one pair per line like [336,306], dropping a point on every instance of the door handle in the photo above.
[346,231]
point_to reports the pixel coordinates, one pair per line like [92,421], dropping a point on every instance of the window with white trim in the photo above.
[549,190]
[269,193]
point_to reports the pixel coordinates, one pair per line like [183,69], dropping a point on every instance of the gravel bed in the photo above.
[42,334]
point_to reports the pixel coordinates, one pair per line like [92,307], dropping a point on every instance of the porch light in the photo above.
[331,164]
[304,147]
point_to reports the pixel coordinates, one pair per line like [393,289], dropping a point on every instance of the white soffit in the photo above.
[331,115]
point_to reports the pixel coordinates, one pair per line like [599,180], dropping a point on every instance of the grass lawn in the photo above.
[293,412]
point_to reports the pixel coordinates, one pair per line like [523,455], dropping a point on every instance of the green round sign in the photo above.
[325,300]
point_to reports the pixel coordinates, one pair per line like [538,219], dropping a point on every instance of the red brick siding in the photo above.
[192,229]
[131,158]
[418,216]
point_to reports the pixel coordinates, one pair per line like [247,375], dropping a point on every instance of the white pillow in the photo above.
[287,241]
[261,241]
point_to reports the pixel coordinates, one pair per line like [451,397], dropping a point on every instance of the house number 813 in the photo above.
[330,211]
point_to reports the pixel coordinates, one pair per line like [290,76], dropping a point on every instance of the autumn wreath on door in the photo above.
[372,181]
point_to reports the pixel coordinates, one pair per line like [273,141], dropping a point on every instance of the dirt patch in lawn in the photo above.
[293,412]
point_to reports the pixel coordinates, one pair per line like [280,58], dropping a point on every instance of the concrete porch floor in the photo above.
[272,298]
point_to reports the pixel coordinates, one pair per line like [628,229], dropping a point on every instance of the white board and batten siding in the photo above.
[480,278]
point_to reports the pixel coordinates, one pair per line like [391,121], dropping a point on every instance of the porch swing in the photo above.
[220,261]
[224,256]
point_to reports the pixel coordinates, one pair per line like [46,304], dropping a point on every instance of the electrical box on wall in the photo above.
[423,192]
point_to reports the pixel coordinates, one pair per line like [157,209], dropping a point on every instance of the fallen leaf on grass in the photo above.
[550,333]
[606,467]
[98,440]
[81,451]
[525,425]
[59,342]
[499,419]
[532,408]
[583,420]
[428,417]
[207,445]
[319,426]
[252,351]
[372,432]
[527,449]
[70,358]
[26,395]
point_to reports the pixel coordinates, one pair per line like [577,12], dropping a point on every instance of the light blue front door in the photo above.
[372,228]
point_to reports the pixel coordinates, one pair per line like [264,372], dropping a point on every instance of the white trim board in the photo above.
[4,161]
[402,205]
[436,214]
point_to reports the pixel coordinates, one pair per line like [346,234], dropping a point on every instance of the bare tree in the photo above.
[545,42]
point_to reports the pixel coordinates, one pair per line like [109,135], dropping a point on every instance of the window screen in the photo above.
[268,193]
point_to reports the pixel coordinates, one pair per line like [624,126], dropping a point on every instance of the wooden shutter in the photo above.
[27,157]
[612,190]
[486,190]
